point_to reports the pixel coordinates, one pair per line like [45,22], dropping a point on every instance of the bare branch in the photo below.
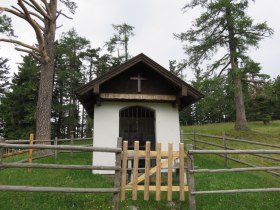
[37,16]
[14,12]
[37,30]
[14,41]
[17,9]
[60,13]
[46,5]
[36,56]
[39,9]
[224,69]
[26,2]
[59,26]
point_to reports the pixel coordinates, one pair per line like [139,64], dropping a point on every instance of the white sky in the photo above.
[155,21]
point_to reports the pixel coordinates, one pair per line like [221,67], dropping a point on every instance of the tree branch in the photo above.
[46,5]
[20,43]
[60,13]
[14,12]
[37,57]
[223,69]
[39,9]
[37,30]
[37,16]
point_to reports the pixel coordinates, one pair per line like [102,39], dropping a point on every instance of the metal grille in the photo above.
[137,124]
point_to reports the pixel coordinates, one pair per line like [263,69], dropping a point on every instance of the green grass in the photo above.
[269,133]
[71,178]
[78,178]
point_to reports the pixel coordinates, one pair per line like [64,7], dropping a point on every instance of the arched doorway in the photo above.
[137,123]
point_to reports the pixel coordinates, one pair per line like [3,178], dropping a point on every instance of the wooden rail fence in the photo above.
[194,138]
[13,152]
[115,190]
[164,160]
[191,171]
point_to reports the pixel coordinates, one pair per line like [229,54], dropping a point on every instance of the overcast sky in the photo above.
[155,21]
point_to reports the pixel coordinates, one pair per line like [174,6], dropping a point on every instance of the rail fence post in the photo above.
[72,140]
[117,178]
[191,183]
[2,150]
[194,138]
[182,135]
[225,148]
[30,152]
[55,151]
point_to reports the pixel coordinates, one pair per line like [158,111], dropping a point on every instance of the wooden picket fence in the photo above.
[164,161]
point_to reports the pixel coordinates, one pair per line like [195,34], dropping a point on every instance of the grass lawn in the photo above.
[63,178]
[269,133]
[91,201]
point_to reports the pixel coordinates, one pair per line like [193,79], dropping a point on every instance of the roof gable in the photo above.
[155,80]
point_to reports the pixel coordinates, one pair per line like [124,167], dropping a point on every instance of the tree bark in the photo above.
[240,121]
[43,110]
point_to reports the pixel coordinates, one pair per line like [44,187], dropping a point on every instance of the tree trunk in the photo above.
[43,110]
[241,121]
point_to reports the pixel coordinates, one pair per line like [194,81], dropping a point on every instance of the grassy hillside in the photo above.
[269,133]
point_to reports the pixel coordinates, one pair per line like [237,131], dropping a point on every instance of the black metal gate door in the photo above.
[137,124]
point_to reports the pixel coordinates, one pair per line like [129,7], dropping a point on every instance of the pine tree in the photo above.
[223,27]
[4,86]
[68,77]
[119,41]
[4,78]
[18,106]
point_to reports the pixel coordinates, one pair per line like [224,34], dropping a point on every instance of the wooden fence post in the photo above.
[124,170]
[194,138]
[182,171]
[158,172]
[30,153]
[191,182]
[135,170]
[72,140]
[147,169]
[2,150]
[225,148]
[182,135]
[55,151]
[117,178]
[169,179]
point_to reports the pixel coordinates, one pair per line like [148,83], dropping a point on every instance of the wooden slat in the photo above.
[153,154]
[169,179]
[158,172]
[164,164]
[137,96]
[181,151]
[135,170]
[124,171]
[147,169]
[162,188]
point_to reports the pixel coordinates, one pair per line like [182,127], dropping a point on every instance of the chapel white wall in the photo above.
[106,128]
